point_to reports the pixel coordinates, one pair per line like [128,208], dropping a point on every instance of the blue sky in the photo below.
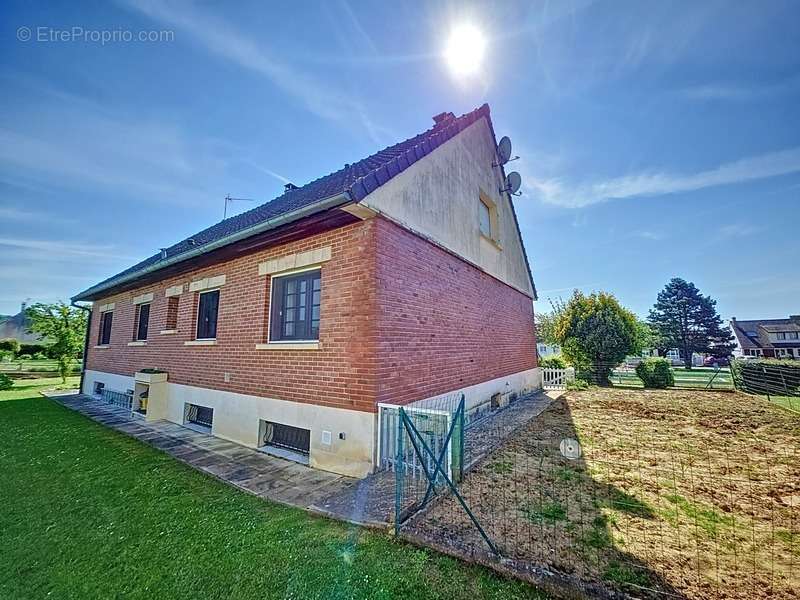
[656,139]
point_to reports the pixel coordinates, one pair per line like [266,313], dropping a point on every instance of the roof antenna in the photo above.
[228,200]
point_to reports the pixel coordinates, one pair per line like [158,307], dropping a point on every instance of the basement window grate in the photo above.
[286,436]
[200,415]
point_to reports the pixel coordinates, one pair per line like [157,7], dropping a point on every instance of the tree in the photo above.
[9,348]
[546,323]
[687,320]
[63,327]
[596,334]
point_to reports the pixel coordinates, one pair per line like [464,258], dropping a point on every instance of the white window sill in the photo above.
[289,346]
[138,343]
[167,331]
[100,347]
[200,343]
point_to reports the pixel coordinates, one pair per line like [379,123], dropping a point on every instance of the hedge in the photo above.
[655,373]
[767,376]
[552,362]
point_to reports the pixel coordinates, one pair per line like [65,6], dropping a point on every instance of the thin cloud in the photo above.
[12,213]
[556,191]
[64,247]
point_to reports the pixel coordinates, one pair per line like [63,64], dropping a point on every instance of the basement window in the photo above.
[98,388]
[199,417]
[296,307]
[286,441]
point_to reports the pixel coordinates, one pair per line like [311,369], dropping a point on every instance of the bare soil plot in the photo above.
[689,493]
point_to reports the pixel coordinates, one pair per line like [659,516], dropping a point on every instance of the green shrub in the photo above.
[33,349]
[767,376]
[6,383]
[40,356]
[9,345]
[24,357]
[655,373]
[577,385]
[553,362]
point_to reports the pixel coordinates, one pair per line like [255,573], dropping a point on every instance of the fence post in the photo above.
[398,471]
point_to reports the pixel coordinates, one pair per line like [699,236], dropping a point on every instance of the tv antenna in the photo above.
[228,200]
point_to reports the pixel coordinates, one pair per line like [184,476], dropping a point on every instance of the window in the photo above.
[792,335]
[781,335]
[207,309]
[172,313]
[200,415]
[485,218]
[285,436]
[142,321]
[104,337]
[98,388]
[296,307]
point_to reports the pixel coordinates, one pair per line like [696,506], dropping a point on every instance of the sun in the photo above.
[465,49]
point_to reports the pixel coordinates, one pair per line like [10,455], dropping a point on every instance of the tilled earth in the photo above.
[695,494]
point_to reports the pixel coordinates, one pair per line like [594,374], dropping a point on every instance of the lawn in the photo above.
[90,513]
[685,492]
[696,378]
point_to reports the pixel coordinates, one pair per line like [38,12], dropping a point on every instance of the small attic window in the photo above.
[485,219]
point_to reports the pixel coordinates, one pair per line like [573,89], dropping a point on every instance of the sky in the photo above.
[655,139]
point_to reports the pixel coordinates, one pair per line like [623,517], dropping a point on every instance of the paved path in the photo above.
[265,476]
[371,500]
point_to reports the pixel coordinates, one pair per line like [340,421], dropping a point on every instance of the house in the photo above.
[396,279]
[16,327]
[772,338]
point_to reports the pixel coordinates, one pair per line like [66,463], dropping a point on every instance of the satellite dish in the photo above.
[513,183]
[503,150]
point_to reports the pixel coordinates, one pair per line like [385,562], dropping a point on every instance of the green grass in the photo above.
[548,512]
[90,513]
[706,518]
[789,402]
[697,377]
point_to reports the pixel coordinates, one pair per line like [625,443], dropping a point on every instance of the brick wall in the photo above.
[340,374]
[401,320]
[442,323]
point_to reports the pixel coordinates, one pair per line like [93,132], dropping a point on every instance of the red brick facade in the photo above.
[341,374]
[401,320]
[442,323]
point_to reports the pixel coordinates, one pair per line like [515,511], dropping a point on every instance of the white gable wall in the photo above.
[438,197]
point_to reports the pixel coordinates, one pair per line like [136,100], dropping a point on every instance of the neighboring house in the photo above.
[396,279]
[774,338]
[546,350]
[16,327]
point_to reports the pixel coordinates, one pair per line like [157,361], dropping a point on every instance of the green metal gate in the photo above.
[441,464]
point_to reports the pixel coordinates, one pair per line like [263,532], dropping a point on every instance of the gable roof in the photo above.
[761,328]
[350,184]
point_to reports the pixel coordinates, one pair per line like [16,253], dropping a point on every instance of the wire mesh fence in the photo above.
[685,494]
[776,381]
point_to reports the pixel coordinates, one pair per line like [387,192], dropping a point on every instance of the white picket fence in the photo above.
[556,379]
